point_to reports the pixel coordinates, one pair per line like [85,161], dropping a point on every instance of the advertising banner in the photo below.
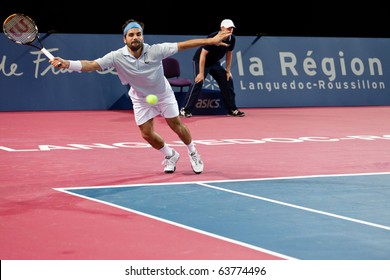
[267,72]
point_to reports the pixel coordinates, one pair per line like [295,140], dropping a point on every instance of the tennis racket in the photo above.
[21,29]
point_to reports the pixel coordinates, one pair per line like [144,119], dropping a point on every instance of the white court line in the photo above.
[298,207]
[207,184]
[146,184]
[182,226]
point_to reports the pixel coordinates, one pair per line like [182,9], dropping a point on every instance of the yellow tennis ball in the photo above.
[152,99]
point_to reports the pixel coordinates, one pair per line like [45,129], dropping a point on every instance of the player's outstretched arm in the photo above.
[75,65]
[216,40]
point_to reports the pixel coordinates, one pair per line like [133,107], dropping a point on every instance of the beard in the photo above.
[135,46]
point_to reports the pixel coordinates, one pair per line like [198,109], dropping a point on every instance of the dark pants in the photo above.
[219,75]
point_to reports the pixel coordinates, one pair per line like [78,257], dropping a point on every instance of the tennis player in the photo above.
[140,66]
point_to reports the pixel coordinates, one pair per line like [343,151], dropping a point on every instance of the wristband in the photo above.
[75,65]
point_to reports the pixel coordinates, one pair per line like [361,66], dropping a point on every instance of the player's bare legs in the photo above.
[150,135]
[184,134]
[180,129]
[171,156]
[157,142]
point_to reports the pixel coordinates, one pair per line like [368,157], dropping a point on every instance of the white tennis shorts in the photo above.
[143,111]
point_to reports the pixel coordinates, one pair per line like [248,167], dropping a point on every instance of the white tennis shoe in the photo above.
[196,162]
[170,162]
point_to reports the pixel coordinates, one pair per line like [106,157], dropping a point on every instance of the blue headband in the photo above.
[131,25]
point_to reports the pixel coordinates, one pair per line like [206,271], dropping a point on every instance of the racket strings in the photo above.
[20,29]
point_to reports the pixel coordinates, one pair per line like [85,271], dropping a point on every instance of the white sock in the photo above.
[166,150]
[191,147]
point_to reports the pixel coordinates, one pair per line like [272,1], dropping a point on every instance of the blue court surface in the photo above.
[327,217]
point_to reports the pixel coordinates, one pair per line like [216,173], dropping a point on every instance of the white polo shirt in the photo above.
[145,75]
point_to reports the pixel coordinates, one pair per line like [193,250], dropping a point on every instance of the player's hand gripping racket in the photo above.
[22,30]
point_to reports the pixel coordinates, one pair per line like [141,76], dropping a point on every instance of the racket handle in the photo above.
[47,53]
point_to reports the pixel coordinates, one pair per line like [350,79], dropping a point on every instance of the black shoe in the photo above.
[236,113]
[185,113]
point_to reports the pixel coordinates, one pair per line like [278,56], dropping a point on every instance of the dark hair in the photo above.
[132,20]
